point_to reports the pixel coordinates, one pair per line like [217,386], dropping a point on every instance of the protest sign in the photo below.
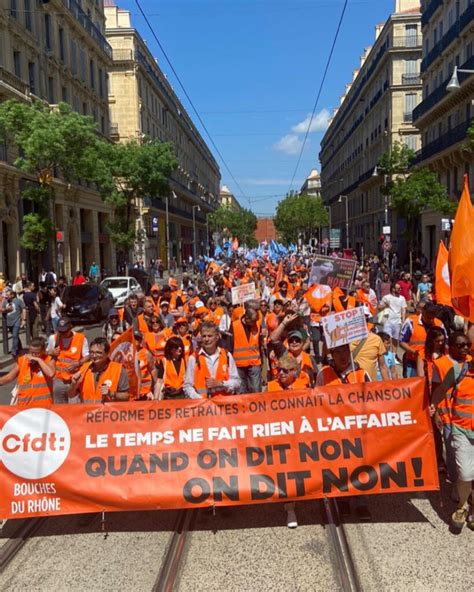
[244,292]
[345,327]
[349,439]
[124,350]
[332,271]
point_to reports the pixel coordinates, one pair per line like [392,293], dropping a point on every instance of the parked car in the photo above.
[87,302]
[121,288]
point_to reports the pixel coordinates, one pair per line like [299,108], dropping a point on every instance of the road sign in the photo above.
[387,246]
[154,224]
[59,236]
[335,238]
[445,225]
[386,230]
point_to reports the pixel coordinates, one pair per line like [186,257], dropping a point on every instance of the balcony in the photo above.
[123,55]
[411,79]
[452,136]
[408,116]
[438,94]
[11,80]
[428,12]
[406,41]
[87,24]
[114,130]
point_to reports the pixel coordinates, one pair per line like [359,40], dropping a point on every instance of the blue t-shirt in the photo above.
[425,288]
[390,362]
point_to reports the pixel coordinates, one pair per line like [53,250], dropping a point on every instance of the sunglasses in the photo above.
[284,371]
[464,345]
[294,340]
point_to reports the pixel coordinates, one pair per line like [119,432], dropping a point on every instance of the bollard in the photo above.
[5,335]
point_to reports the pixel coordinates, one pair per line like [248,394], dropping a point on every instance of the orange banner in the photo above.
[331,441]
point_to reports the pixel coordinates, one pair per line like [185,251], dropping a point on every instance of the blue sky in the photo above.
[252,69]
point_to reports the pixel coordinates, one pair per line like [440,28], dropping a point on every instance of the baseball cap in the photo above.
[163,302]
[181,321]
[63,325]
[113,312]
[297,333]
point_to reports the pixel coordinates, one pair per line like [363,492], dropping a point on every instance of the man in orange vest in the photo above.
[100,380]
[246,341]
[212,370]
[457,389]
[413,336]
[70,350]
[34,371]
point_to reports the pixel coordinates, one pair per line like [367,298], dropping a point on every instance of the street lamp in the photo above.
[328,208]
[196,207]
[454,82]
[168,230]
[341,197]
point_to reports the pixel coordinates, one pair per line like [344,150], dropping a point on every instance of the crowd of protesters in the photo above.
[192,342]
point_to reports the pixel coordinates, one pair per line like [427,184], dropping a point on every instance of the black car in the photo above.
[87,302]
[142,278]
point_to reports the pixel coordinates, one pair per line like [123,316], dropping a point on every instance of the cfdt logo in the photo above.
[34,443]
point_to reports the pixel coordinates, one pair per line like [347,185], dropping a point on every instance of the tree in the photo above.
[231,223]
[51,142]
[412,190]
[129,172]
[300,216]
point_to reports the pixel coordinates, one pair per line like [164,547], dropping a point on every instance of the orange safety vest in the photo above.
[142,324]
[301,382]
[418,336]
[201,373]
[171,378]
[188,346]
[330,377]
[462,409]
[156,306]
[172,300]
[443,366]
[319,297]
[215,316]
[365,299]
[155,342]
[68,356]
[146,381]
[34,389]
[246,350]
[90,392]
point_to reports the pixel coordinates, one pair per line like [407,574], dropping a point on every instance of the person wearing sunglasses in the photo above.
[453,403]
[171,371]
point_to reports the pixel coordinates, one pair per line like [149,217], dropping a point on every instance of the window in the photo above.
[62,55]
[64,94]
[13,9]
[92,73]
[410,104]
[468,51]
[101,83]
[411,35]
[51,93]
[73,57]
[32,77]
[47,32]
[411,142]
[17,63]
[82,61]
[84,108]
[28,12]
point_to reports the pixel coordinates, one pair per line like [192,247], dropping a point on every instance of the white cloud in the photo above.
[290,144]
[319,124]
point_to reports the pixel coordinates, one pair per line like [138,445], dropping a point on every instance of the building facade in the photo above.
[312,184]
[375,111]
[53,52]
[144,105]
[443,117]
[228,199]
[266,230]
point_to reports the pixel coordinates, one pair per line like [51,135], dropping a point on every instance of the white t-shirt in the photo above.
[56,307]
[395,306]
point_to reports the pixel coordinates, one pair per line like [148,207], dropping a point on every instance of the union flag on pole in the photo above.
[461,257]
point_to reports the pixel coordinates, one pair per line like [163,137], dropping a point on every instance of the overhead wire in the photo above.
[190,101]
[341,18]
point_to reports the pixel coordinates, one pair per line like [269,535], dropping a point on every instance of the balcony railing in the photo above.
[12,80]
[452,136]
[411,79]
[88,25]
[114,129]
[438,94]
[408,116]
[428,12]
[407,41]
[122,55]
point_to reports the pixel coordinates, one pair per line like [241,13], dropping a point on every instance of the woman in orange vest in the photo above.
[289,375]
[171,371]
[156,338]
[34,371]
[216,312]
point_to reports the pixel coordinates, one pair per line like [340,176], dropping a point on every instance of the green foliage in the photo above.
[231,223]
[127,172]
[37,231]
[469,144]
[298,215]
[396,160]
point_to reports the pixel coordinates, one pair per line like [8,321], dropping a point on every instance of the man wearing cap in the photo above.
[113,326]
[212,370]
[70,350]
[167,318]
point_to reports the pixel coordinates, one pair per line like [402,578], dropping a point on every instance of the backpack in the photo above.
[49,279]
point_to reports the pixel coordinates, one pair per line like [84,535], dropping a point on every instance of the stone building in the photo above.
[144,105]
[55,51]
[374,112]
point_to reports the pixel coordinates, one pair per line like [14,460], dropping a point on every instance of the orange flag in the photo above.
[235,244]
[279,274]
[461,257]
[443,281]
